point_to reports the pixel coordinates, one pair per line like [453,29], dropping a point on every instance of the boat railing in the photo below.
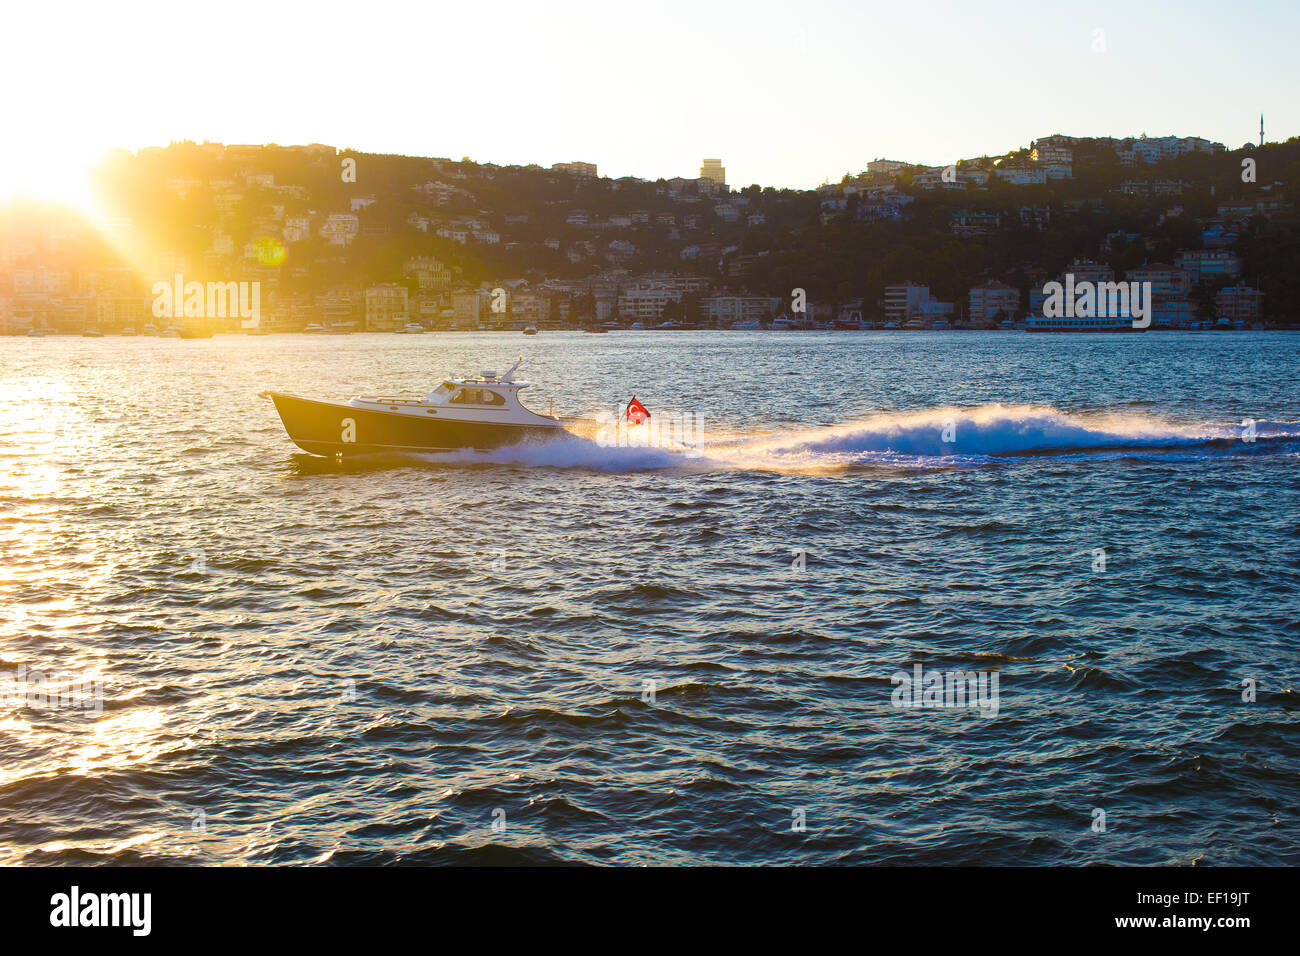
[381,400]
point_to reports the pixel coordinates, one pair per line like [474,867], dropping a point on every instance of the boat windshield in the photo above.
[477,396]
[439,394]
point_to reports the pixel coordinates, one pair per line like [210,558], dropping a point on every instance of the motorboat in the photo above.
[481,412]
[412,328]
[785,323]
[530,330]
[314,328]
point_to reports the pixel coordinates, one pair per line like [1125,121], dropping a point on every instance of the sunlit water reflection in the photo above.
[373,662]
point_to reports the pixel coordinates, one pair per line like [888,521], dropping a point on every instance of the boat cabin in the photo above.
[485,397]
[485,392]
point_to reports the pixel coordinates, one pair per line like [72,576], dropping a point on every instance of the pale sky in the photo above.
[786,94]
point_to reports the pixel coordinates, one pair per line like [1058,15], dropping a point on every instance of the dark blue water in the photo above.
[643,655]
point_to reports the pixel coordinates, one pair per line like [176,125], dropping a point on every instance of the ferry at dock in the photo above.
[1089,323]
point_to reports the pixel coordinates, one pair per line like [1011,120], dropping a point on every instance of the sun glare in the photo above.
[56,177]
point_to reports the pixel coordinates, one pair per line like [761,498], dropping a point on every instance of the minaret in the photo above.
[1261,130]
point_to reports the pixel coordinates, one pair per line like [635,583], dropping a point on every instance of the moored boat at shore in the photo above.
[1089,323]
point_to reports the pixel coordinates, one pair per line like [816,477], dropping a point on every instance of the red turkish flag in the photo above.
[636,412]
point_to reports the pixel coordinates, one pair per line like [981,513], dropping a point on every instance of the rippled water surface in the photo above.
[642,655]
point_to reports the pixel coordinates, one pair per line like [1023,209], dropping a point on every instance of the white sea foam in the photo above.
[935,437]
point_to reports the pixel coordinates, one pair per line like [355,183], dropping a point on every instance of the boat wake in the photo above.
[932,438]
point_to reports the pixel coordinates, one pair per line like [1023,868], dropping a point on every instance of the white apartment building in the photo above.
[1203,264]
[888,167]
[456,233]
[674,283]
[990,298]
[430,274]
[1166,280]
[936,177]
[1154,149]
[1023,175]
[1086,270]
[904,300]
[387,307]
[645,305]
[468,308]
[726,310]
[1051,154]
